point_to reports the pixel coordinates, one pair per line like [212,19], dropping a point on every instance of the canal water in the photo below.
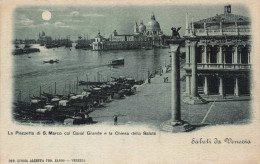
[31,74]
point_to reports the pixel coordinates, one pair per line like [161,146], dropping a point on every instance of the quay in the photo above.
[152,103]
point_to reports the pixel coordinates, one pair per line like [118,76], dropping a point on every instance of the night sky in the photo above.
[75,21]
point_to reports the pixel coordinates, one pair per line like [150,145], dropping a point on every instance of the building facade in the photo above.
[119,42]
[147,36]
[220,48]
[152,31]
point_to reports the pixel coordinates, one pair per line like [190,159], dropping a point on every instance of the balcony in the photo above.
[214,66]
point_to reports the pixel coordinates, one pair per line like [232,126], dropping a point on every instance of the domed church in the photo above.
[152,30]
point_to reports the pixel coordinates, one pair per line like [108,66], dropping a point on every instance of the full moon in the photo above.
[46,15]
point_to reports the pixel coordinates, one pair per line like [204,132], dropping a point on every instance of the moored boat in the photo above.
[117,61]
[51,61]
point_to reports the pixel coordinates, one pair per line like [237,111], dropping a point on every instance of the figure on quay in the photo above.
[115,119]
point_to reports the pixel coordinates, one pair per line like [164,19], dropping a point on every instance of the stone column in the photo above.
[237,93]
[220,55]
[221,86]
[187,52]
[205,61]
[194,97]
[176,103]
[221,28]
[194,91]
[224,58]
[206,85]
[175,124]
[239,58]
[209,57]
[187,84]
[236,55]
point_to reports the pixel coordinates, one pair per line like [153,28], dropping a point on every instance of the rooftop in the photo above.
[226,18]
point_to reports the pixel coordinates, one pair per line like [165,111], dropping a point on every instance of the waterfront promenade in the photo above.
[152,106]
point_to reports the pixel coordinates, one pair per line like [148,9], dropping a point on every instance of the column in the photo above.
[206,87]
[176,106]
[239,54]
[224,58]
[201,54]
[194,91]
[249,57]
[221,86]
[220,55]
[205,55]
[187,84]
[205,27]
[175,124]
[209,57]
[187,52]
[237,93]
[235,61]
[221,28]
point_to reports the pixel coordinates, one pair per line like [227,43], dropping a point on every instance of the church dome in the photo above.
[142,27]
[153,25]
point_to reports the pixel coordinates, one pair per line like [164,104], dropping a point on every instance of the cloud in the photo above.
[73,20]
[58,23]
[61,24]
[93,15]
[74,13]
[24,21]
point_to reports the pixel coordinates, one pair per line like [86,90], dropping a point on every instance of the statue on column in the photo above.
[175,33]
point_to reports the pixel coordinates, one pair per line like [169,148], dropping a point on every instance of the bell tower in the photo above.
[227,9]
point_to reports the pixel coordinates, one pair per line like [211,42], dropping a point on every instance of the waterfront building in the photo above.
[84,43]
[152,31]
[143,37]
[25,41]
[119,42]
[99,42]
[218,49]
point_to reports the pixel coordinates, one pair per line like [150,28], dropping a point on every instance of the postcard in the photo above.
[129,82]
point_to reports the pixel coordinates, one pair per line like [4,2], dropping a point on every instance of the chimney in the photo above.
[227,9]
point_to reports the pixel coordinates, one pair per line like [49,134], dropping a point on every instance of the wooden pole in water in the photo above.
[49,89]
[40,90]
[65,89]
[74,86]
[29,93]
[55,87]
[77,85]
